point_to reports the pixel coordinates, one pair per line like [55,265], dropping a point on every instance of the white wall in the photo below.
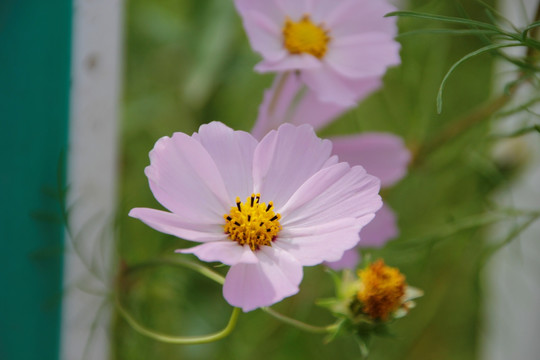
[92,176]
[512,316]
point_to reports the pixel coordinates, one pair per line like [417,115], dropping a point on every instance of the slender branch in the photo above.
[299,324]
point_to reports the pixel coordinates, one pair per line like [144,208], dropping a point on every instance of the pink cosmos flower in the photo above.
[265,208]
[336,45]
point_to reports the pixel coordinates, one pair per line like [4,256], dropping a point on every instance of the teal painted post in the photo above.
[35,38]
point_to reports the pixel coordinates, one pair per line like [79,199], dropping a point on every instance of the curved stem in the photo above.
[186,340]
[299,324]
[201,269]
[179,340]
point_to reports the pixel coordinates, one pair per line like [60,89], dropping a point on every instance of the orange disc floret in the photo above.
[305,37]
[382,290]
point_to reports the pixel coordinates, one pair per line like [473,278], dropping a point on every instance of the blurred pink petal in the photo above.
[349,260]
[310,209]
[359,56]
[381,154]
[377,233]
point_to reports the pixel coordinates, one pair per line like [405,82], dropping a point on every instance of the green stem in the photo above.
[179,340]
[299,324]
[201,269]
[186,340]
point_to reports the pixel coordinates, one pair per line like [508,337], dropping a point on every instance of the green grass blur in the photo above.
[188,62]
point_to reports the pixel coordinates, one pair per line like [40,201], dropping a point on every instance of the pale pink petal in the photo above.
[293,9]
[273,110]
[322,9]
[227,251]
[332,193]
[275,277]
[380,230]
[349,260]
[382,154]
[312,188]
[330,86]
[285,159]
[269,8]
[325,242]
[289,63]
[363,55]
[184,178]
[354,17]
[175,225]
[232,152]
[264,35]
[331,161]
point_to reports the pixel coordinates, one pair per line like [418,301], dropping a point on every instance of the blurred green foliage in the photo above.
[189,63]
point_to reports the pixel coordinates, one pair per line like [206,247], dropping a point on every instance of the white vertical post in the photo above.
[92,175]
[512,297]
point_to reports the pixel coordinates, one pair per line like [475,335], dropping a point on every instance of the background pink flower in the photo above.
[301,206]
[335,45]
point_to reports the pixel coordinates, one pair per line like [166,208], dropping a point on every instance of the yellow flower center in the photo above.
[382,290]
[252,222]
[305,37]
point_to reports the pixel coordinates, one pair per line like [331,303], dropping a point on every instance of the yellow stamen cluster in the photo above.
[382,290]
[252,223]
[305,37]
